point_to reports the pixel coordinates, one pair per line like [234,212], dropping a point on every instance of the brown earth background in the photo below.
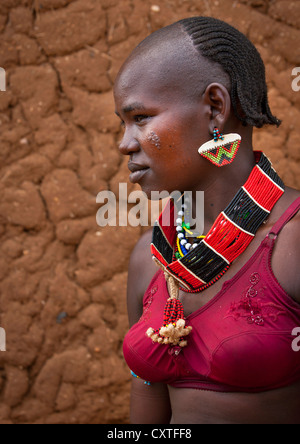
[62,277]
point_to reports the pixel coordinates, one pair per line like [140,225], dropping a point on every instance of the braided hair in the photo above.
[225,45]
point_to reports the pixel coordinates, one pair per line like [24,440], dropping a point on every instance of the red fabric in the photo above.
[241,340]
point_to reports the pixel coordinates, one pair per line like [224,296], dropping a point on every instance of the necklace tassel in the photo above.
[173,330]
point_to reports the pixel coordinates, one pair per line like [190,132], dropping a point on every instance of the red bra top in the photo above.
[241,340]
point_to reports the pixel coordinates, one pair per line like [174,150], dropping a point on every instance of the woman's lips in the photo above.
[137,175]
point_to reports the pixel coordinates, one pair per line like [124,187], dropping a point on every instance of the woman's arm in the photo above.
[149,404]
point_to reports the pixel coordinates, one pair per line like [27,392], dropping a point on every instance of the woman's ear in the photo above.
[218,99]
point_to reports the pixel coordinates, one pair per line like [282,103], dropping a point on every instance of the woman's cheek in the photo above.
[154,140]
[165,142]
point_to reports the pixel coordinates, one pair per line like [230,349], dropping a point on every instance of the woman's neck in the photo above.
[222,186]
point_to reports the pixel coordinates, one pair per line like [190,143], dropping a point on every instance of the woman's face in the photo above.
[163,129]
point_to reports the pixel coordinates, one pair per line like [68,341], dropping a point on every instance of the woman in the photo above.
[211,338]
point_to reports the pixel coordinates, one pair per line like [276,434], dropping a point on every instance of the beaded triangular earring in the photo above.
[222,150]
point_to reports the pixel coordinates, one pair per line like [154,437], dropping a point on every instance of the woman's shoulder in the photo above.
[140,273]
[290,197]
[286,257]
[292,194]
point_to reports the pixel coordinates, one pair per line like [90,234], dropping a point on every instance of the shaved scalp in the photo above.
[170,56]
[193,53]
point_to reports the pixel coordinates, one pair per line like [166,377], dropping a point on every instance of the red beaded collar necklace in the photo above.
[231,234]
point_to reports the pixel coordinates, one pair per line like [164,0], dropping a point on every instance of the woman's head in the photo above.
[176,86]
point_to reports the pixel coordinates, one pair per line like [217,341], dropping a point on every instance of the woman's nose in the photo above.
[129,144]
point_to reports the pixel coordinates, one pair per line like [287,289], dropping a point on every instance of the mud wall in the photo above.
[63,278]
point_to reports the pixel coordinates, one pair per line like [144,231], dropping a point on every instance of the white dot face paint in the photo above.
[154,139]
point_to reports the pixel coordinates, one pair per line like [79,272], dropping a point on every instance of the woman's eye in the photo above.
[140,118]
